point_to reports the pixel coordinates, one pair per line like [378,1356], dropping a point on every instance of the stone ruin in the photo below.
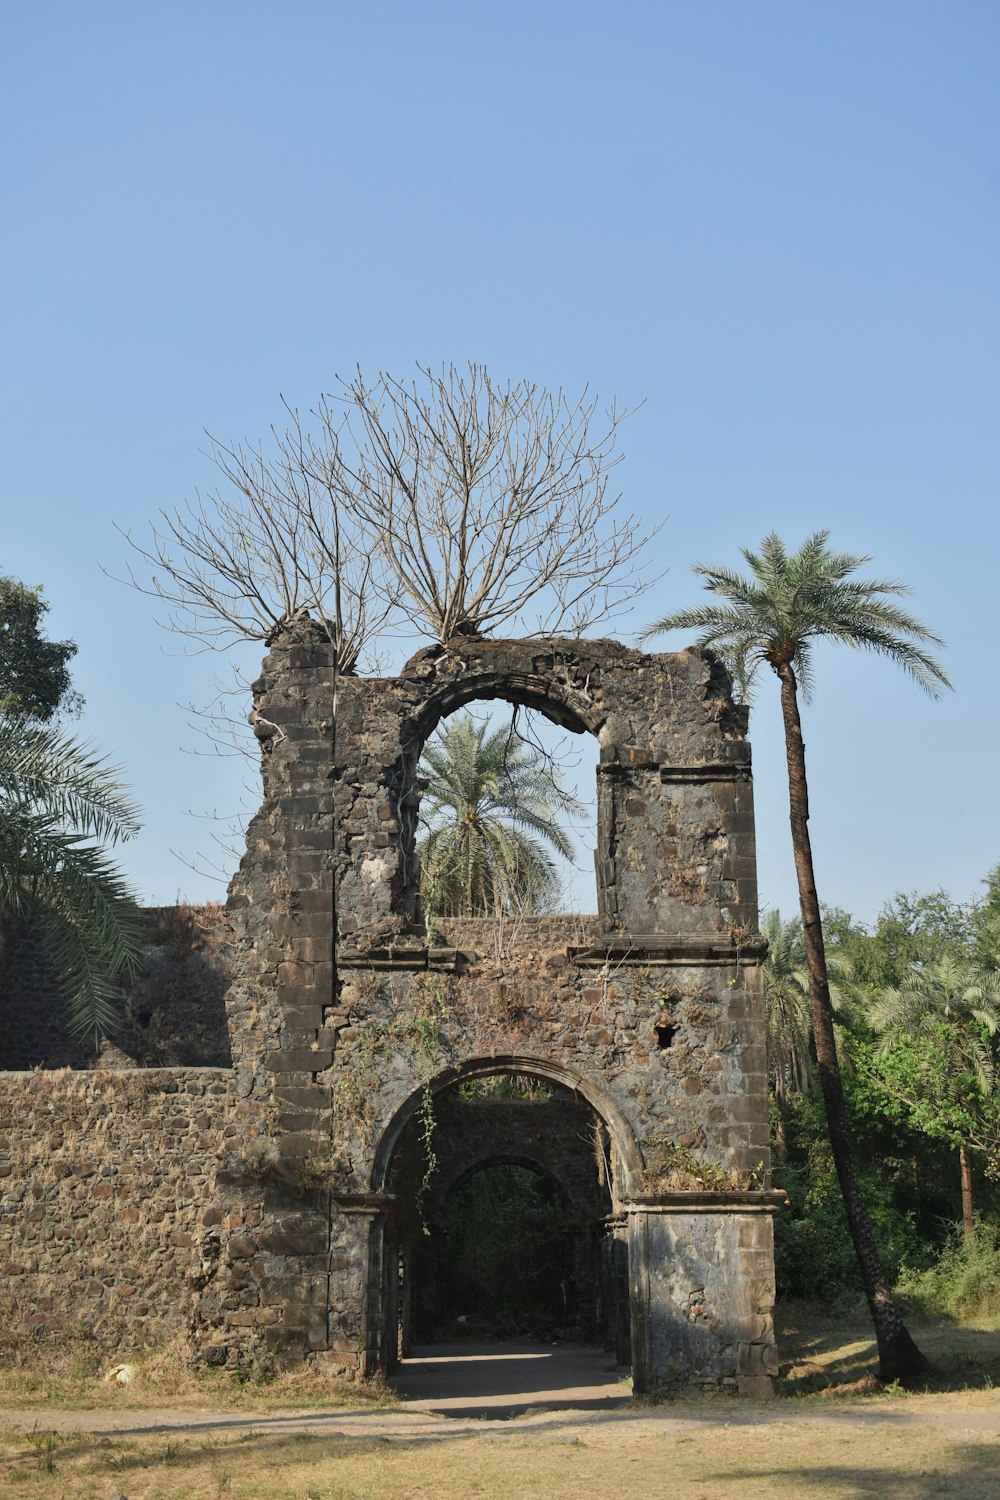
[297,1198]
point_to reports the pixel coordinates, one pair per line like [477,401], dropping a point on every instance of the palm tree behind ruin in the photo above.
[490,812]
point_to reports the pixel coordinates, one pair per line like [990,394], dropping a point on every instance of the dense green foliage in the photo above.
[490,812]
[915,996]
[962,1282]
[34,672]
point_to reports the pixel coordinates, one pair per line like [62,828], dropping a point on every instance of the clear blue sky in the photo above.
[775,223]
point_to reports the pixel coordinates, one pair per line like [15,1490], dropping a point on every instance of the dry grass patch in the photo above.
[72,1371]
[503,1463]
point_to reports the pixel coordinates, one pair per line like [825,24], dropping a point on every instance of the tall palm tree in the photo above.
[56,798]
[954,1008]
[773,617]
[490,810]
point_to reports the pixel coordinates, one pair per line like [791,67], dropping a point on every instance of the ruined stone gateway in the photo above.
[300,1198]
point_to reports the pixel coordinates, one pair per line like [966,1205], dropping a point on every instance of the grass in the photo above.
[507,1463]
[964,1281]
[72,1373]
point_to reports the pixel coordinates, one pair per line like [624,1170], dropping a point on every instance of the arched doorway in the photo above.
[501,1183]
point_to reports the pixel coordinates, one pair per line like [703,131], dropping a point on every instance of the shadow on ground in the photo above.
[507,1380]
[819,1357]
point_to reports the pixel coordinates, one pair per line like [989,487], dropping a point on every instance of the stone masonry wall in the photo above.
[137,1205]
[109,1195]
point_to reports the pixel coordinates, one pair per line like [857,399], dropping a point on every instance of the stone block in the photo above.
[760,1387]
[315,949]
[313,901]
[309,1096]
[293,974]
[241,1247]
[296,1241]
[300,1059]
[301,1143]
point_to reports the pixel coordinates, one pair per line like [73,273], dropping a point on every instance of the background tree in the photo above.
[56,798]
[939,1057]
[774,617]
[490,810]
[985,922]
[34,672]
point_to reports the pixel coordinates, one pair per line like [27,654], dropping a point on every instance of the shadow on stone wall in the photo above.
[173,1011]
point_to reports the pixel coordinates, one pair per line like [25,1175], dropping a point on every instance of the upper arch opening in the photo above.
[503,818]
[555,677]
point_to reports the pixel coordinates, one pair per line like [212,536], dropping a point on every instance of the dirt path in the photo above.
[565,1392]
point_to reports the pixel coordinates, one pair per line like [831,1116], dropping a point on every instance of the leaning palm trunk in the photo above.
[899,1357]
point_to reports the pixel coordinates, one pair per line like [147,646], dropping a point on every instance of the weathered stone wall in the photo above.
[683,1064]
[139,1204]
[173,1010]
[110,1189]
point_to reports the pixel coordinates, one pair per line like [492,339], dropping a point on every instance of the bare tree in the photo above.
[488,504]
[273,544]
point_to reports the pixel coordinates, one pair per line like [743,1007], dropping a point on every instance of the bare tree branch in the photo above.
[487,504]
[269,546]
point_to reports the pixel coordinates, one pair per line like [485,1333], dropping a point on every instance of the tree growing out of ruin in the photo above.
[272,543]
[490,504]
[451,502]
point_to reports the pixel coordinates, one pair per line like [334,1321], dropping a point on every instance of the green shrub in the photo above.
[813,1251]
[964,1281]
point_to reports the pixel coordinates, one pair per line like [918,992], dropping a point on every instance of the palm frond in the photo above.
[65,775]
[55,798]
[791,600]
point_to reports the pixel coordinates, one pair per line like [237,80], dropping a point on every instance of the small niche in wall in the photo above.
[665,1032]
